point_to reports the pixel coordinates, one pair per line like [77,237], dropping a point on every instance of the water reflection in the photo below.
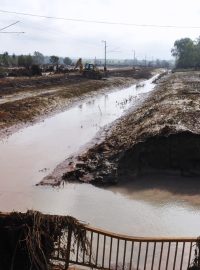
[161,188]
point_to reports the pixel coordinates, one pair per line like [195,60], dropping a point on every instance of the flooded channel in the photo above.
[32,153]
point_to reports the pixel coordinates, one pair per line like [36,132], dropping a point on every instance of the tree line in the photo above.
[187,53]
[28,60]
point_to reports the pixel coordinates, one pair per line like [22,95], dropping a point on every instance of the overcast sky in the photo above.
[78,39]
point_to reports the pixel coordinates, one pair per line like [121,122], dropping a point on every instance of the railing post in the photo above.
[69,238]
[198,252]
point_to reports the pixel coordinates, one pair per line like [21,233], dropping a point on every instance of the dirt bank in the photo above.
[161,135]
[26,100]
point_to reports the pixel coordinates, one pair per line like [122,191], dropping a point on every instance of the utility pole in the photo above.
[105,48]
[133,58]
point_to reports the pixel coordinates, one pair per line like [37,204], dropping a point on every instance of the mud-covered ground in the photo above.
[26,100]
[161,135]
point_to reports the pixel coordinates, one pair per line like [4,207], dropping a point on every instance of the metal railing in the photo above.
[107,250]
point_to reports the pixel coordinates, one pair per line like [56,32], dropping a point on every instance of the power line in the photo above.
[5,32]
[9,26]
[99,22]
[12,32]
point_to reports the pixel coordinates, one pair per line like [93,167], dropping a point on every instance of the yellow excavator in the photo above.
[89,70]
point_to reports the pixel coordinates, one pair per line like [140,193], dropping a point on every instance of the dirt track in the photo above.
[163,134]
[26,100]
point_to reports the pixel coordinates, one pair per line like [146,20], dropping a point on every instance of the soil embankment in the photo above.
[25,100]
[161,135]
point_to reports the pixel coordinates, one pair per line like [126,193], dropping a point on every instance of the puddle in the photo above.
[32,153]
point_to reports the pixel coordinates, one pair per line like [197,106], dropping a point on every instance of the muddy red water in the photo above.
[29,155]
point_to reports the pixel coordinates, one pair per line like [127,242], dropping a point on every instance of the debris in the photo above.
[28,240]
[139,85]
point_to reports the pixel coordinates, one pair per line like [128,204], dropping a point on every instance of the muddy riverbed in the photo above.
[28,100]
[32,153]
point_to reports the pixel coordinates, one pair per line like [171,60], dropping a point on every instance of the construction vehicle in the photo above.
[89,70]
[79,65]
